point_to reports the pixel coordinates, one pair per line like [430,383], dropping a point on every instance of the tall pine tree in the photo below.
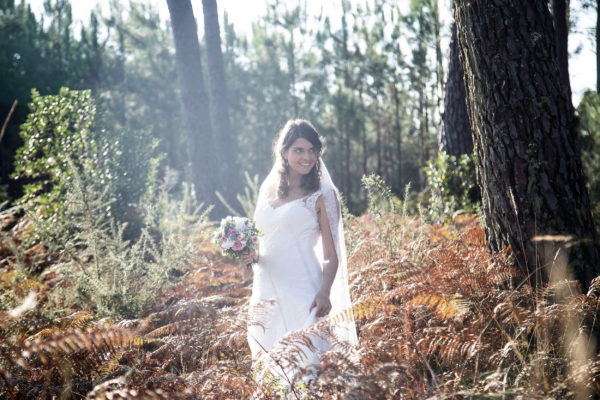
[529,164]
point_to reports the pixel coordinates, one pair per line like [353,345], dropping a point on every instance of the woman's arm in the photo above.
[330,263]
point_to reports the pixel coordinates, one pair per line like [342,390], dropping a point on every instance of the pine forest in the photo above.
[464,145]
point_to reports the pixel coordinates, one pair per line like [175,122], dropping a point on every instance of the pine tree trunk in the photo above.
[529,163]
[347,156]
[363,134]
[422,133]
[218,100]
[559,15]
[398,136]
[291,58]
[378,143]
[455,138]
[196,108]
[438,52]
[598,46]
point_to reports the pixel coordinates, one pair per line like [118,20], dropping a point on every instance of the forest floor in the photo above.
[437,317]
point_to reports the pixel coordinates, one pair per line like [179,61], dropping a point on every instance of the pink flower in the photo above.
[232,232]
[237,245]
[255,239]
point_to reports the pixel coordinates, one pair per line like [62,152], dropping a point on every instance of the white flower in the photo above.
[240,224]
[227,244]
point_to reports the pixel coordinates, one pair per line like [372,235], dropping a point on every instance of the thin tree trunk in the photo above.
[559,15]
[342,128]
[201,155]
[365,154]
[438,52]
[528,158]
[348,106]
[378,140]
[598,46]
[455,137]
[363,133]
[398,134]
[422,132]
[292,68]
[218,99]
[95,64]
[347,154]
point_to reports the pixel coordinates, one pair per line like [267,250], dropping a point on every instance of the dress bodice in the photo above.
[294,220]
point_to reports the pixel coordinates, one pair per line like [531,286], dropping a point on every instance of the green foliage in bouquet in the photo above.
[453,184]
[236,235]
[63,127]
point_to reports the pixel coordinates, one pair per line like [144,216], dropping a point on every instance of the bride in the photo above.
[300,275]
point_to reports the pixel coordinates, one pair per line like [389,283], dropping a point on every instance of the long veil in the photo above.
[341,316]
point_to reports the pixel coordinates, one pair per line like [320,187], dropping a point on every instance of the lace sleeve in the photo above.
[311,201]
[332,208]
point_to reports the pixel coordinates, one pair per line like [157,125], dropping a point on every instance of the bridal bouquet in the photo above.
[236,235]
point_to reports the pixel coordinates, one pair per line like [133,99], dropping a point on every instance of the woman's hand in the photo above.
[249,257]
[321,303]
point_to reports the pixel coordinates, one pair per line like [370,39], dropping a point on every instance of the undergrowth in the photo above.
[437,316]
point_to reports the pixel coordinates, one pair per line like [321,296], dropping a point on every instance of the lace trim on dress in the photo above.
[311,200]
[332,208]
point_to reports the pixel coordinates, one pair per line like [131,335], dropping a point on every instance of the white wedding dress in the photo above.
[288,276]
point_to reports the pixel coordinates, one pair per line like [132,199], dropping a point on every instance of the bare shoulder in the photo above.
[320,202]
[320,205]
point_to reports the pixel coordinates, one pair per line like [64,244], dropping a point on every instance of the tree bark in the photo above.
[398,136]
[598,46]
[435,9]
[218,99]
[423,125]
[378,143]
[455,138]
[559,15]
[196,108]
[528,159]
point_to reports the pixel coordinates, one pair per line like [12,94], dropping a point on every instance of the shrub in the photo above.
[87,188]
[3,194]
[389,213]
[589,113]
[63,127]
[452,183]
[106,273]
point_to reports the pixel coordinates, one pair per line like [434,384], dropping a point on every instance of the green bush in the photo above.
[384,206]
[3,194]
[86,187]
[105,273]
[63,127]
[452,183]
[589,114]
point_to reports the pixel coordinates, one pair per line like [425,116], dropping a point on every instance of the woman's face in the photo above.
[302,156]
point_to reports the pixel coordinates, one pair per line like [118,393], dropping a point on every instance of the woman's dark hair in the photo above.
[293,130]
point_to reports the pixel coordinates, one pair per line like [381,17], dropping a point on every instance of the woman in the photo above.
[301,273]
